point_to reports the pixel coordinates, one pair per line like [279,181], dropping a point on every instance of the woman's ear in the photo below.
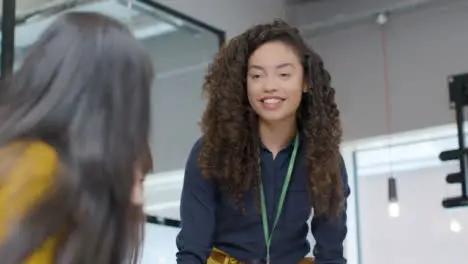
[137,195]
[305,89]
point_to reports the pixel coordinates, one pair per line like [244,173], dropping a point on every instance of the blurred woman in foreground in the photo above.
[74,124]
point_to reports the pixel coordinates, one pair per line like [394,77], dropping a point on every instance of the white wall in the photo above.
[233,16]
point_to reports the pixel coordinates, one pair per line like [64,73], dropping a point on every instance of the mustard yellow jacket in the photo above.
[26,174]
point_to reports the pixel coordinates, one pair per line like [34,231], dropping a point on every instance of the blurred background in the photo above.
[391,63]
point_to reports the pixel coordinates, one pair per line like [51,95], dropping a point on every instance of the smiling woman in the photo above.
[268,156]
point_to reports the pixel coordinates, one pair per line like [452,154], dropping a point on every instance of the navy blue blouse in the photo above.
[210,220]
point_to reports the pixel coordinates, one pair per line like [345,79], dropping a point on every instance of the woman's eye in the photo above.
[255,76]
[285,75]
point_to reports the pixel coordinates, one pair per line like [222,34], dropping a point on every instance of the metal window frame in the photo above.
[8,38]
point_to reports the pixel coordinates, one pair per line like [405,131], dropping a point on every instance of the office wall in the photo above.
[180,60]
[422,232]
[424,47]
[177,108]
[231,16]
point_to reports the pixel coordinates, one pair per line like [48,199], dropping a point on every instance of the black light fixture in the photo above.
[393,206]
[392,191]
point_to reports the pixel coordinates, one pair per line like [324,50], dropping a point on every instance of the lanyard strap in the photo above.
[268,235]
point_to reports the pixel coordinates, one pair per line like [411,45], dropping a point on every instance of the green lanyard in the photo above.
[268,235]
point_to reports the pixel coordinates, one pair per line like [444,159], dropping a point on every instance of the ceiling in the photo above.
[324,16]
[298,2]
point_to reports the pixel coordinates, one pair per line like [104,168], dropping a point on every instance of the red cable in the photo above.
[387,96]
[386,81]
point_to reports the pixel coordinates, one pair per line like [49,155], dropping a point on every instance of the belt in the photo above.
[218,256]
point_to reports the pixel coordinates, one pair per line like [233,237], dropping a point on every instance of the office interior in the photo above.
[391,62]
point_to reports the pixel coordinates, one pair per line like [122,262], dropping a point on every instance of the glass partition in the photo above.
[422,231]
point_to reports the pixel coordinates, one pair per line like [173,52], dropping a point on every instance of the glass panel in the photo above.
[423,231]
[181,59]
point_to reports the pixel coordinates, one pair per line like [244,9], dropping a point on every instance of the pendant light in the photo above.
[393,205]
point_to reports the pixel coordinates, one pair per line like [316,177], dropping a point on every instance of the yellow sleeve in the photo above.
[27,170]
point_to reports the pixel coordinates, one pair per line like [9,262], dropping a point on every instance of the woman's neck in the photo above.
[275,136]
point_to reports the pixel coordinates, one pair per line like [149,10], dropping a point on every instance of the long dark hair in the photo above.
[84,89]
[229,124]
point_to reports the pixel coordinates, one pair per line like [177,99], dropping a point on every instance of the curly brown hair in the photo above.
[229,155]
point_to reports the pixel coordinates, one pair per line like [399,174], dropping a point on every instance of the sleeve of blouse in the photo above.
[197,211]
[26,174]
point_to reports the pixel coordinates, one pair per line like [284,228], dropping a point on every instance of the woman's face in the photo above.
[275,81]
